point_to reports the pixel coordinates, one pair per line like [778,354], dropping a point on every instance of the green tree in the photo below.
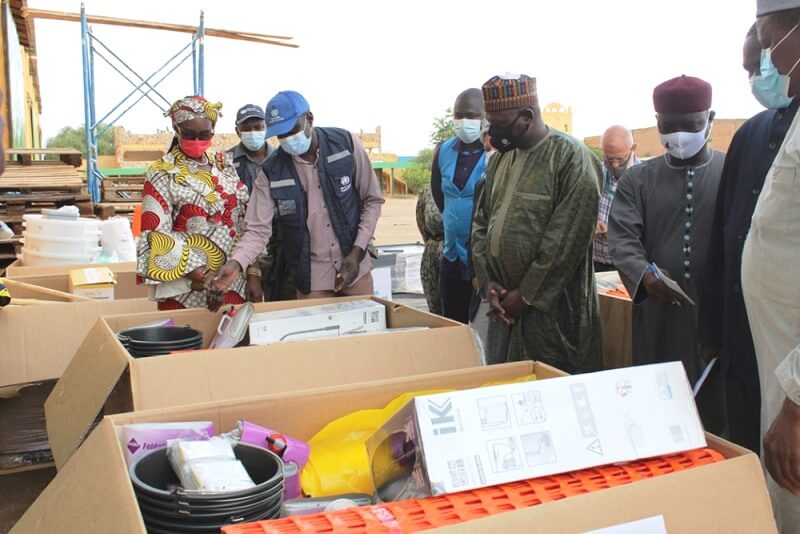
[443,127]
[69,137]
[418,175]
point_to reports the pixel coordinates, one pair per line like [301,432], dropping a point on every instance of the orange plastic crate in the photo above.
[433,512]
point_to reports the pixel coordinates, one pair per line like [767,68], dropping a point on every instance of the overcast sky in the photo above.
[399,64]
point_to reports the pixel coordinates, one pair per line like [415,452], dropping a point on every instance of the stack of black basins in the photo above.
[167,508]
[155,340]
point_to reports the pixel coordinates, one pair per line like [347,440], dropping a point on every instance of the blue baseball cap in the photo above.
[283,110]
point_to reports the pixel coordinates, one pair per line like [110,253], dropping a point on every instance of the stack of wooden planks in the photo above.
[29,186]
[121,192]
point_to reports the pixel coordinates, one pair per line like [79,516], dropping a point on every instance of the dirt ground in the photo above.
[398,224]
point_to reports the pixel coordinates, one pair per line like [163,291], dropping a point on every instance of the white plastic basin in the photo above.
[73,228]
[60,245]
[30,257]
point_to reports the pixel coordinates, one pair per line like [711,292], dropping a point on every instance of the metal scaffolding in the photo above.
[142,88]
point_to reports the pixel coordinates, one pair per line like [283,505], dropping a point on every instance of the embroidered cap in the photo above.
[509,92]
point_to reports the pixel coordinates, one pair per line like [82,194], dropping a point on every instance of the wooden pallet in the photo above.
[41,176]
[24,156]
[14,207]
[125,189]
[106,210]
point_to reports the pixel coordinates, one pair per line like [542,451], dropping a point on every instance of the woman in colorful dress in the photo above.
[193,207]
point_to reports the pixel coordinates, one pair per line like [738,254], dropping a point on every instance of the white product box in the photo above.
[382,282]
[314,322]
[462,440]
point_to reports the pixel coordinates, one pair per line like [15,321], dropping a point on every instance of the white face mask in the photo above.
[297,144]
[468,130]
[684,145]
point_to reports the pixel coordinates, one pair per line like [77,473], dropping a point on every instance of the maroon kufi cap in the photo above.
[684,94]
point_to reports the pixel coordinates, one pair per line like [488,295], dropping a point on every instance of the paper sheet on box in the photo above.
[649,525]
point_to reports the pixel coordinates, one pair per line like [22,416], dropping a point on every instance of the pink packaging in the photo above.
[139,439]
[295,454]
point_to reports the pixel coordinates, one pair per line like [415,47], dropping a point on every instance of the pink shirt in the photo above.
[326,256]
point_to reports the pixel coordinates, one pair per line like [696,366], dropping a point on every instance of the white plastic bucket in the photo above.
[61,245]
[72,228]
[117,237]
[30,257]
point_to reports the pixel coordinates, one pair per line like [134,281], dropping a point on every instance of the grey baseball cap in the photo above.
[250,111]
[765,7]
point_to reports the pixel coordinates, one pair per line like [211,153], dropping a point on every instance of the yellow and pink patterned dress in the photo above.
[192,217]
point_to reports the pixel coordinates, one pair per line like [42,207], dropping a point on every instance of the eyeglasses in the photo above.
[618,162]
[194,136]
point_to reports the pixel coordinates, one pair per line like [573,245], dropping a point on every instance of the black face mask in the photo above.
[502,138]
[617,170]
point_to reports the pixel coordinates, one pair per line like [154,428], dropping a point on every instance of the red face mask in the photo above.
[195,148]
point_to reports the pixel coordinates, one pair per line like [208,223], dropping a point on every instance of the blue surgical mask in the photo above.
[297,144]
[254,140]
[468,130]
[771,88]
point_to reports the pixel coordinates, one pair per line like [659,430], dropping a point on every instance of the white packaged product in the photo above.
[315,322]
[218,475]
[209,465]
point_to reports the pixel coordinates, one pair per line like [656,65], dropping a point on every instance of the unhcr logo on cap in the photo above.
[274,115]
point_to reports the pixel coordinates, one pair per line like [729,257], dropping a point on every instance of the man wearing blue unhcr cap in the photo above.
[321,188]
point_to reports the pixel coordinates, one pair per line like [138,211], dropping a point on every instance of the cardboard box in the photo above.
[96,283]
[38,343]
[56,277]
[728,496]
[103,376]
[317,322]
[32,294]
[458,441]
[617,316]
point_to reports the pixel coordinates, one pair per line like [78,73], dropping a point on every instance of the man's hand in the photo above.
[255,293]
[225,278]
[349,272]
[214,301]
[600,228]
[497,293]
[475,283]
[513,304]
[658,290]
[198,275]
[782,447]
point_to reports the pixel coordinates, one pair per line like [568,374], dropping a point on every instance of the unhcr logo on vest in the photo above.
[346,184]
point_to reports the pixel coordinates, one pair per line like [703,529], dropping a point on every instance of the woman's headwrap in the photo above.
[193,107]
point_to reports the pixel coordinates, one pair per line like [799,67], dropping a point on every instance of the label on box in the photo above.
[493,435]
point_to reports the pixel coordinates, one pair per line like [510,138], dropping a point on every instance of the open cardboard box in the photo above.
[39,342]
[57,277]
[33,294]
[93,492]
[102,376]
